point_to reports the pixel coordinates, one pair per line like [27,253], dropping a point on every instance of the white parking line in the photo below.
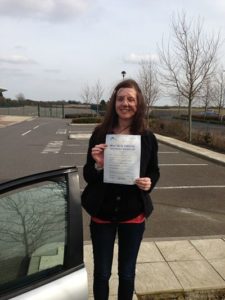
[61,131]
[79,136]
[172,165]
[36,127]
[195,213]
[53,147]
[26,132]
[189,187]
[161,165]
[168,152]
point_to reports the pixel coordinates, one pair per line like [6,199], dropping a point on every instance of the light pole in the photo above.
[123,74]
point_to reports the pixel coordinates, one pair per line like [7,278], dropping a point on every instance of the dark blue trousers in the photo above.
[103,238]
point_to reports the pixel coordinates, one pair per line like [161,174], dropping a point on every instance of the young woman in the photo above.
[118,209]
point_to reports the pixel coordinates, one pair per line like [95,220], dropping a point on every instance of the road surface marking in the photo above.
[168,152]
[189,187]
[73,145]
[161,165]
[197,214]
[61,131]
[26,132]
[53,147]
[69,166]
[36,127]
[79,136]
[171,165]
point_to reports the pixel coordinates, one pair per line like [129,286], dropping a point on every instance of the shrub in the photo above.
[75,115]
[202,138]
[169,128]
[217,119]
[176,129]
[86,120]
[218,142]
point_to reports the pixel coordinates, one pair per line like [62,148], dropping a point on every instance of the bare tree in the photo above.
[218,91]
[207,94]
[97,93]
[147,79]
[86,94]
[189,59]
[178,100]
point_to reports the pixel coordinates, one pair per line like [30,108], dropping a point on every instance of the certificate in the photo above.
[122,158]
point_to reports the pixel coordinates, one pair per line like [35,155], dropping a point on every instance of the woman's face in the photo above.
[126,103]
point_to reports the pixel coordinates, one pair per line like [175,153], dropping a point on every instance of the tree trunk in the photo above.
[189,121]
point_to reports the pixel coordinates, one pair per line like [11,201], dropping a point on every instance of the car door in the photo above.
[41,238]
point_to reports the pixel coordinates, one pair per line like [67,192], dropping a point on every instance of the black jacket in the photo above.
[136,201]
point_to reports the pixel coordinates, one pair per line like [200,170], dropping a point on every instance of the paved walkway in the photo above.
[11,120]
[175,269]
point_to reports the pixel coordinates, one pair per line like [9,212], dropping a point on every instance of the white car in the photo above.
[41,238]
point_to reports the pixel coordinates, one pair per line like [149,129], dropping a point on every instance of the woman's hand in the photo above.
[144,183]
[97,153]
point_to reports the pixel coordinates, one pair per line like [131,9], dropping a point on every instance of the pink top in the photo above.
[139,219]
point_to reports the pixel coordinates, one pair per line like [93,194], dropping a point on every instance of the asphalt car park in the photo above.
[189,200]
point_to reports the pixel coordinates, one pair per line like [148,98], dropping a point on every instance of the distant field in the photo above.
[173,111]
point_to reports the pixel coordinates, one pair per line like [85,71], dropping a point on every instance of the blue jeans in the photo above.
[129,240]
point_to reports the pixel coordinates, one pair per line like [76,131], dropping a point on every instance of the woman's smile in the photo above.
[126,103]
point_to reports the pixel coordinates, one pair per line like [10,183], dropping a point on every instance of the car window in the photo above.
[33,226]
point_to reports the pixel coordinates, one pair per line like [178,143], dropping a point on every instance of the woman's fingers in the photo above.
[99,148]
[97,152]
[143,183]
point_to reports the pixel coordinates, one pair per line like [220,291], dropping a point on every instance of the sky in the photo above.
[51,49]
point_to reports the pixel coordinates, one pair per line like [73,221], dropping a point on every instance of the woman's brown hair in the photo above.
[138,125]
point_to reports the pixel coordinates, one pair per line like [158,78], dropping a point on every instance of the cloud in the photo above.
[19,47]
[137,58]
[54,71]
[52,10]
[17,60]
[9,72]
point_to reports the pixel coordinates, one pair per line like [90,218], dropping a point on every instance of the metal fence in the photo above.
[34,110]
[51,111]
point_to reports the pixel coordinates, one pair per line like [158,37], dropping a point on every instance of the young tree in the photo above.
[97,93]
[207,94]
[218,96]
[188,60]
[86,94]
[178,100]
[147,79]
